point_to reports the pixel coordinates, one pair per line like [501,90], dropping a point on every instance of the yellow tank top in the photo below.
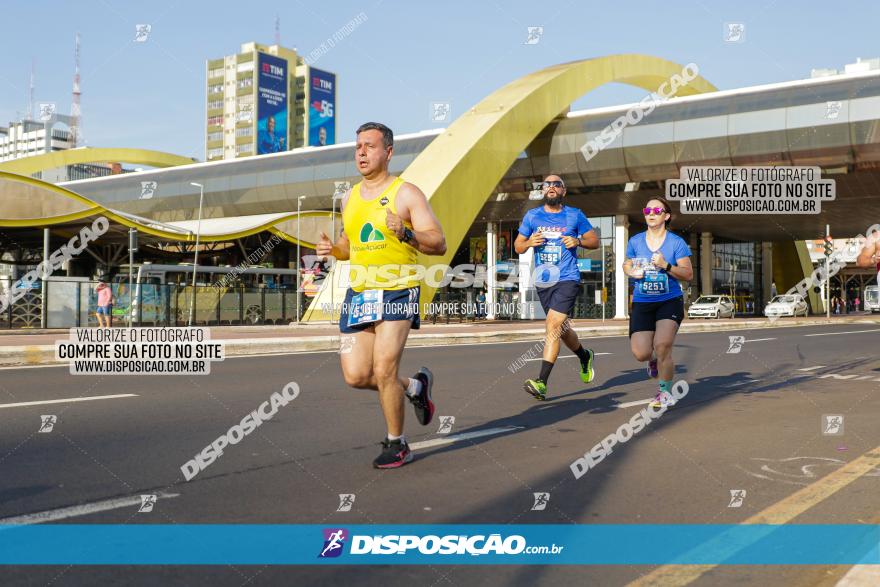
[378,259]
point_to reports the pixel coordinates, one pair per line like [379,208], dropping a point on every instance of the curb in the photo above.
[45,354]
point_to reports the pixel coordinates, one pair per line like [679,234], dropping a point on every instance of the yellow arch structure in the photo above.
[461,167]
[37,163]
[60,205]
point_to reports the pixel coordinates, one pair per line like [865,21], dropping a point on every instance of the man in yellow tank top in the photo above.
[386,222]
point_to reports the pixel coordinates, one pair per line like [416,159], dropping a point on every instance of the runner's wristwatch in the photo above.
[668,266]
[408,236]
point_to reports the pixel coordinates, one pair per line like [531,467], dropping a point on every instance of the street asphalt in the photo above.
[751,421]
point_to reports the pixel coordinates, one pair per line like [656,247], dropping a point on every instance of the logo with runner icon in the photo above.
[369,234]
[47,423]
[832,424]
[346,500]
[334,541]
[541,501]
[737,497]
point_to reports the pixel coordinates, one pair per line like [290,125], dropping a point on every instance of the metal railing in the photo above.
[74,303]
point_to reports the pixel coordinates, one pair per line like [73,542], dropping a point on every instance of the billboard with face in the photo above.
[322,108]
[271,104]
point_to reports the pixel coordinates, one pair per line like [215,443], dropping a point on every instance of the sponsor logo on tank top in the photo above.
[372,238]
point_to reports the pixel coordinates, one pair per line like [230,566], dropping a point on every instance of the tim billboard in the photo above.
[322,108]
[271,104]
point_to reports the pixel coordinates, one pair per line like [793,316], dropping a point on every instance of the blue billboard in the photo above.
[271,104]
[589,265]
[322,108]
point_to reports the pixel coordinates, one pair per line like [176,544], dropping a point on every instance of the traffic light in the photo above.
[609,265]
[829,246]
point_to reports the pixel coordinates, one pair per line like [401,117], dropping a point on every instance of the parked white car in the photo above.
[787,305]
[872,299]
[712,307]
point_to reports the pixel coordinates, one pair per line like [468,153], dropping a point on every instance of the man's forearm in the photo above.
[589,243]
[866,259]
[340,252]
[429,242]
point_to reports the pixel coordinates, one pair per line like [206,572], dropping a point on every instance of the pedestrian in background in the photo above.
[105,305]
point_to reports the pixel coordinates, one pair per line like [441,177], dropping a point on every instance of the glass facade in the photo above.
[736,271]
[474,251]
[593,280]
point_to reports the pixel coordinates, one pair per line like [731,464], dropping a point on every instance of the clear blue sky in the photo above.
[406,55]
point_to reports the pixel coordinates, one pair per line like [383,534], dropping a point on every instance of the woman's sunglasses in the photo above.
[655,211]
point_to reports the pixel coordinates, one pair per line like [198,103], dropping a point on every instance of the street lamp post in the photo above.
[196,257]
[298,257]
[602,259]
[337,195]
[828,274]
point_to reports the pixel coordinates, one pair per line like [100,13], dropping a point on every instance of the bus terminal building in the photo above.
[480,176]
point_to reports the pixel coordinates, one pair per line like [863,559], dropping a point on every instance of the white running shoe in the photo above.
[663,399]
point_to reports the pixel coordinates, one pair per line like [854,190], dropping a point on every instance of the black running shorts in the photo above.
[644,315]
[560,296]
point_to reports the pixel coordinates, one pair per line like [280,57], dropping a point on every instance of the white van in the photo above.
[872,299]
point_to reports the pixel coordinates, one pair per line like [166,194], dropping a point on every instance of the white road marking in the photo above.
[569,357]
[67,400]
[744,382]
[81,510]
[733,328]
[457,437]
[643,402]
[336,351]
[847,332]
[861,576]
[640,402]
[758,339]
[812,368]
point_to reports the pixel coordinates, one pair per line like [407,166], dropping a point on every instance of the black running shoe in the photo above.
[422,403]
[395,453]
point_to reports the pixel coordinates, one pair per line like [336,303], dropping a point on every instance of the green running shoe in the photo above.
[589,373]
[536,388]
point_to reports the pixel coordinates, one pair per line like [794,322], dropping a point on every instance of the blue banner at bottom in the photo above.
[483,544]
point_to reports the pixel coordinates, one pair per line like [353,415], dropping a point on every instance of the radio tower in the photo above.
[75,113]
[30,111]
[277,30]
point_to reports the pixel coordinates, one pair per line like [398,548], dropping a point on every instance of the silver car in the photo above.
[787,305]
[712,307]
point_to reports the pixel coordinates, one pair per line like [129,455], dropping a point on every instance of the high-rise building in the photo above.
[26,138]
[860,66]
[31,137]
[265,99]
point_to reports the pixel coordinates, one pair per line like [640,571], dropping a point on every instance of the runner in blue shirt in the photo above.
[655,260]
[556,231]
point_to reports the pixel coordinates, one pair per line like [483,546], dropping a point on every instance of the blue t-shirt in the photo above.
[656,285]
[269,143]
[567,222]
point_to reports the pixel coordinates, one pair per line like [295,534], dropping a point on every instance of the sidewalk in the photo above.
[37,347]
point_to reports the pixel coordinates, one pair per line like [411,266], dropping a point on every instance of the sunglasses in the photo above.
[553,184]
[655,211]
